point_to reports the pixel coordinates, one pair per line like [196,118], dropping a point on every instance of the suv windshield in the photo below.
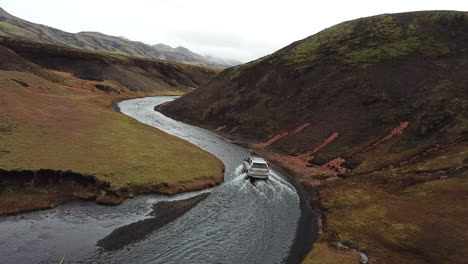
[259,166]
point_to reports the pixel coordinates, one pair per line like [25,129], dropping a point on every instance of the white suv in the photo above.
[256,168]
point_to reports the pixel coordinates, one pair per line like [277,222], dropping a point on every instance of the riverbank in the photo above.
[62,141]
[26,191]
[308,228]
[375,217]
[312,244]
[259,220]
[309,224]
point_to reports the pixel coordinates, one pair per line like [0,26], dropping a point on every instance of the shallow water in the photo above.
[239,222]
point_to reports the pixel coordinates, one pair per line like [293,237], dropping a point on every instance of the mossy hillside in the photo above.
[323,253]
[408,213]
[361,98]
[413,225]
[375,39]
[367,41]
[439,118]
[380,62]
[9,29]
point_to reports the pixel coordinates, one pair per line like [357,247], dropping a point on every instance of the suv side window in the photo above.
[249,160]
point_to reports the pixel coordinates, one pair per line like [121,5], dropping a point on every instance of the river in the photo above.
[239,222]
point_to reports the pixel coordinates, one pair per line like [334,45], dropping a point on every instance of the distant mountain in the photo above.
[14,27]
[221,61]
[183,54]
[178,54]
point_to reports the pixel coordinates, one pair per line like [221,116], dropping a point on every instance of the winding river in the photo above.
[239,222]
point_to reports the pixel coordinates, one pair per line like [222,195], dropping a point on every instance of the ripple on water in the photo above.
[240,222]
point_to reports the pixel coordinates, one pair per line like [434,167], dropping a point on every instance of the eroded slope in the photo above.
[381,102]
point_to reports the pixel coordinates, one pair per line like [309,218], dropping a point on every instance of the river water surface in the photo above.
[239,222]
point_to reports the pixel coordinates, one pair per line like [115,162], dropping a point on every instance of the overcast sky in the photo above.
[240,29]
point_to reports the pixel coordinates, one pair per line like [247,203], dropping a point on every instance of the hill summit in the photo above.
[357,80]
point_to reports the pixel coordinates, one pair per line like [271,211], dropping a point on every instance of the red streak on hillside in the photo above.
[335,165]
[395,131]
[220,128]
[297,165]
[299,129]
[272,140]
[280,136]
[306,156]
[264,79]
[233,130]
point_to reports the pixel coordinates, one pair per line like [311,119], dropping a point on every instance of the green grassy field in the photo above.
[322,253]
[414,214]
[71,126]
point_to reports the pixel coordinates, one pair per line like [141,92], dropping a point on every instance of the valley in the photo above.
[364,125]
[268,221]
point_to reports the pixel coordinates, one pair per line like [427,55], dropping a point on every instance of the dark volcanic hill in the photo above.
[382,102]
[357,80]
[14,27]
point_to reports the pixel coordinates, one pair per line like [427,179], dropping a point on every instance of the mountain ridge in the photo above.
[119,72]
[12,26]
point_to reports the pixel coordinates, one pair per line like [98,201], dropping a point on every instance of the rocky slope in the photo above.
[382,100]
[14,27]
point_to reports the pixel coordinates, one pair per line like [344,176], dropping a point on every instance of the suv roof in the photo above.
[258,160]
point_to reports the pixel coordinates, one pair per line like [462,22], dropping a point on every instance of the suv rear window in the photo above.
[259,166]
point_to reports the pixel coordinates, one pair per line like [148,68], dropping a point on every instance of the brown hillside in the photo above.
[380,101]
[358,80]
[60,138]
[136,74]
